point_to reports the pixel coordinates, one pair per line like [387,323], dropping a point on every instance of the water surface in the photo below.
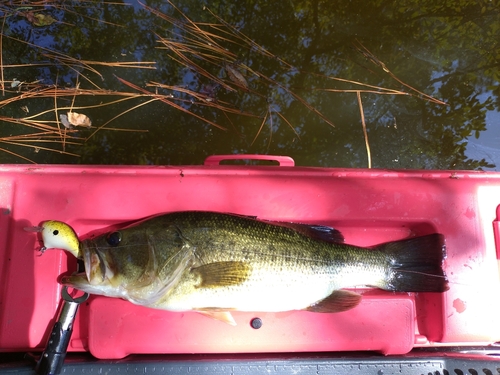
[225,77]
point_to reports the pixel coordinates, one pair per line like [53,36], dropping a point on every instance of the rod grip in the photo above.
[52,359]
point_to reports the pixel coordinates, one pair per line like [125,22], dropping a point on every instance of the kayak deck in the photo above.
[367,206]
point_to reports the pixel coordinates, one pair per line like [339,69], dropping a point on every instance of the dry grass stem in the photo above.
[119,115]
[365,132]
[260,129]
[370,56]
[168,100]
[203,99]
[1,56]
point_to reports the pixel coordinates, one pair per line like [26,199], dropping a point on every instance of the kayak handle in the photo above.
[283,161]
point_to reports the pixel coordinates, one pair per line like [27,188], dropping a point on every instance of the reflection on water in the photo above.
[168,85]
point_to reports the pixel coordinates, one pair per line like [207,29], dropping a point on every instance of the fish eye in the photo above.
[55,232]
[114,239]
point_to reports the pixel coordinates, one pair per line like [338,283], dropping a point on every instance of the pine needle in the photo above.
[367,144]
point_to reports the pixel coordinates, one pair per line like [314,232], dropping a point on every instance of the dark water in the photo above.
[229,77]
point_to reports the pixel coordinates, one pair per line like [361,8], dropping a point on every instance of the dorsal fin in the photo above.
[318,232]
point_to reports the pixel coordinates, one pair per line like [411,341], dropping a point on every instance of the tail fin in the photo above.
[416,264]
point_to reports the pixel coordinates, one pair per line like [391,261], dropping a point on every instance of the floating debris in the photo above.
[39,19]
[235,75]
[15,82]
[65,121]
[78,119]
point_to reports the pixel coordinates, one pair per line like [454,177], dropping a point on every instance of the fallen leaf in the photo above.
[236,76]
[41,19]
[78,119]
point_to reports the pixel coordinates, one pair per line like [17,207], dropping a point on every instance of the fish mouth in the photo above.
[96,266]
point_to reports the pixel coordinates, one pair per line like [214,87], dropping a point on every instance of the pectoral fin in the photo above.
[338,301]
[220,274]
[223,316]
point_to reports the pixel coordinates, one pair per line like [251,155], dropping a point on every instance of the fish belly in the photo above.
[270,287]
[263,293]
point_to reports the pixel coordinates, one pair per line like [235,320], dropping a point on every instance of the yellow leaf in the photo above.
[78,119]
[41,19]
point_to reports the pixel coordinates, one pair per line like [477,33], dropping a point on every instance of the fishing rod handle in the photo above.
[52,358]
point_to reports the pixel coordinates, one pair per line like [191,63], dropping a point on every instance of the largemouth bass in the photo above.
[216,263]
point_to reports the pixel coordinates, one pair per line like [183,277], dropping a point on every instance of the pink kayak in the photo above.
[367,206]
